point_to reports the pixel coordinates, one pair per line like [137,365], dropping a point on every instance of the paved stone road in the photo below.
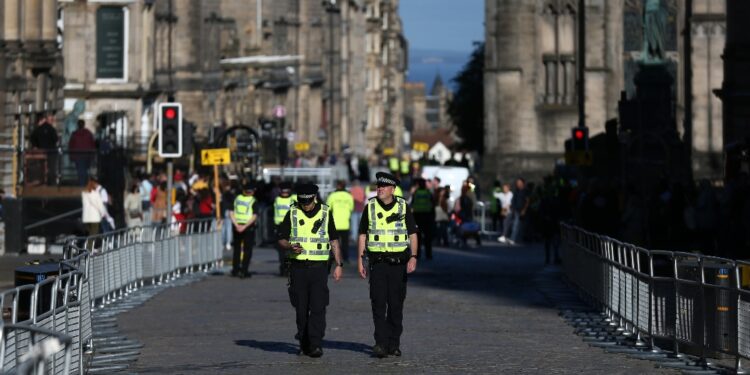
[468,311]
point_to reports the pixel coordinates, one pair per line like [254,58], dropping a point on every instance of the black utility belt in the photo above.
[393,258]
[308,263]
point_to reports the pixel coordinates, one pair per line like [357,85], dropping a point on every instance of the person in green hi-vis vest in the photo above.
[342,205]
[244,214]
[308,234]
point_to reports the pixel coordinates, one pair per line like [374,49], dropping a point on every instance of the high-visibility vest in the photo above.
[243,208]
[383,236]
[422,201]
[342,205]
[315,245]
[281,206]
[405,167]
[397,192]
[393,164]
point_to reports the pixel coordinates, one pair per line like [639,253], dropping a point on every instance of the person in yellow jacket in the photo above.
[389,235]
[342,206]
[281,206]
[244,214]
[308,234]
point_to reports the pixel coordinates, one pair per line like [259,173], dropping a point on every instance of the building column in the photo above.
[32,18]
[49,20]
[10,20]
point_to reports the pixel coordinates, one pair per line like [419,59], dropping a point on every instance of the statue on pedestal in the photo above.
[654,29]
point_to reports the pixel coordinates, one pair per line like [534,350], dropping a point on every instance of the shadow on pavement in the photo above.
[269,346]
[345,345]
[285,347]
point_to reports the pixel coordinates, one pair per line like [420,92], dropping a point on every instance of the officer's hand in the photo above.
[362,271]
[412,265]
[297,248]
[337,273]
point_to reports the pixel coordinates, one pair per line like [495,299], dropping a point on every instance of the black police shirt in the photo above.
[364,224]
[285,227]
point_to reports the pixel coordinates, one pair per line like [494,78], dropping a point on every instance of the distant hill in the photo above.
[424,64]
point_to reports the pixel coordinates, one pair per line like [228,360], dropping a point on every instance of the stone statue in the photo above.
[654,29]
[71,120]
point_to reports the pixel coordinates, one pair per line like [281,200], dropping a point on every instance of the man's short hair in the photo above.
[81,124]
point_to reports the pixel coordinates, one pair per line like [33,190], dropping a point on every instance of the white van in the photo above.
[452,176]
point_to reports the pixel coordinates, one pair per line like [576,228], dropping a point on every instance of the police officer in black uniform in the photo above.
[308,235]
[389,234]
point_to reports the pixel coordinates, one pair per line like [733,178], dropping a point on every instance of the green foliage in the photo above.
[467,107]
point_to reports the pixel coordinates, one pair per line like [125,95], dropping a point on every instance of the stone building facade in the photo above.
[530,76]
[30,71]
[230,62]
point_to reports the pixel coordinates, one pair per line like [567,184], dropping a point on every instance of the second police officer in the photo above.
[389,235]
[308,234]
[244,214]
[281,206]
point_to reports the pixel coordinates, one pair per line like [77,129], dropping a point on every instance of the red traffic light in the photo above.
[170,113]
[578,134]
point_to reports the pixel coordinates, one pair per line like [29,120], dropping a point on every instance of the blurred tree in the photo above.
[466,109]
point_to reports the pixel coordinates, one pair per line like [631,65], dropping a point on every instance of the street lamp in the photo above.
[331,7]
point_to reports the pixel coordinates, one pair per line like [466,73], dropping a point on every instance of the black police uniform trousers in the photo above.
[425,221]
[308,293]
[242,243]
[387,294]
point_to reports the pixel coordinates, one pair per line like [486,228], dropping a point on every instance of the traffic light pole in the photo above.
[581,63]
[170,174]
[282,157]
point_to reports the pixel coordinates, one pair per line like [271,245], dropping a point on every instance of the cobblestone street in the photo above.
[476,310]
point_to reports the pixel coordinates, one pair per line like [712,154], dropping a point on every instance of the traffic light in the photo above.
[580,138]
[170,130]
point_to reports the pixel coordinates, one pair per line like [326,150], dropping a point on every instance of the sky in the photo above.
[450,25]
[441,35]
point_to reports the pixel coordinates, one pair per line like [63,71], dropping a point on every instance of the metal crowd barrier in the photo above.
[98,270]
[690,303]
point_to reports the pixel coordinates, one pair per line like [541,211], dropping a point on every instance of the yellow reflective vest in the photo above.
[281,206]
[385,236]
[398,192]
[342,204]
[404,167]
[243,208]
[315,245]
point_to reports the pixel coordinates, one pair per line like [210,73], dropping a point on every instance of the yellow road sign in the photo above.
[579,158]
[388,151]
[215,156]
[301,146]
[420,146]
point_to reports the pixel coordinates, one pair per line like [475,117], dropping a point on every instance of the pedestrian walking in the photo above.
[358,193]
[308,235]
[442,215]
[281,206]
[389,235]
[243,215]
[513,222]
[132,206]
[93,212]
[423,205]
[341,203]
